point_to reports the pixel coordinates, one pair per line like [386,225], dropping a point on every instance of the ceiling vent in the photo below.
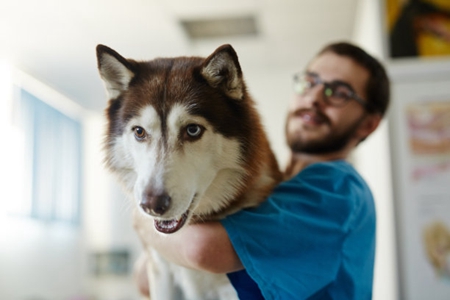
[220,27]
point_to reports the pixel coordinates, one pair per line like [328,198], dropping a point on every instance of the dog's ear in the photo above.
[115,70]
[222,70]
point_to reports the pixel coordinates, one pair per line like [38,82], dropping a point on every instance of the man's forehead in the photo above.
[330,66]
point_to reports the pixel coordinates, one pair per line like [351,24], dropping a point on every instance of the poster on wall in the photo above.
[420,143]
[429,147]
[417,28]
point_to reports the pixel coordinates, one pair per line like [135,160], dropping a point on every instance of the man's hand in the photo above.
[204,246]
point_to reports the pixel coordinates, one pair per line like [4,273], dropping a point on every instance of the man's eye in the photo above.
[301,87]
[310,82]
[341,92]
[139,133]
[302,84]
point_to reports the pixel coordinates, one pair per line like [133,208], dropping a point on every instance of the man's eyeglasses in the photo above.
[337,93]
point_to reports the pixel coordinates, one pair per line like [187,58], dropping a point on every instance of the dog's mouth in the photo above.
[171,226]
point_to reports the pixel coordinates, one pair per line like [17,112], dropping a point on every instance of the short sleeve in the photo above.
[291,244]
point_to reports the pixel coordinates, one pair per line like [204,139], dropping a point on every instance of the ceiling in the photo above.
[54,41]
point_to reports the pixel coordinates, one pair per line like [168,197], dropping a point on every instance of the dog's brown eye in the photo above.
[139,133]
[194,131]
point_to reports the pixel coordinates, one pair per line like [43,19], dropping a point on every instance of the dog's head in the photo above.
[177,131]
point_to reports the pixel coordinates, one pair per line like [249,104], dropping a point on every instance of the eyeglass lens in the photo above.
[339,92]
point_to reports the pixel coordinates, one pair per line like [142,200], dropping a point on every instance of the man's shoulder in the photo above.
[337,180]
[336,174]
[333,166]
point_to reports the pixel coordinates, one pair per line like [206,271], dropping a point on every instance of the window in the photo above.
[50,145]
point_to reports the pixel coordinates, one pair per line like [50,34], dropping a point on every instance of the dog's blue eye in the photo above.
[194,130]
[139,133]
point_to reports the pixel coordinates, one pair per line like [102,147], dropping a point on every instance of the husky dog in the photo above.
[185,140]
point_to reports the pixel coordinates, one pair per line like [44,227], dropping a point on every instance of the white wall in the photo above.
[39,260]
[272,90]
[372,159]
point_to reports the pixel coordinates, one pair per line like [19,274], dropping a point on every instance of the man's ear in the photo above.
[368,125]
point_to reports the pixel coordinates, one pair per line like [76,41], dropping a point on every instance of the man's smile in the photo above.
[310,117]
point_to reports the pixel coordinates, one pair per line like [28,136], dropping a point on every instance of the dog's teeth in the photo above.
[170,226]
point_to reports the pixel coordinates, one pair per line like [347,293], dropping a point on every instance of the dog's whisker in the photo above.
[127,207]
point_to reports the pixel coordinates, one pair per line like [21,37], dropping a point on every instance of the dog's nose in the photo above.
[155,204]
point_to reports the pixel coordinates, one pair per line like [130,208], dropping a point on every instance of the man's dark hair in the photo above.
[377,87]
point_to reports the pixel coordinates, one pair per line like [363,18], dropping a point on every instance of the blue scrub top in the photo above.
[314,238]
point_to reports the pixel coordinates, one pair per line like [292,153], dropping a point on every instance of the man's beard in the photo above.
[329,144]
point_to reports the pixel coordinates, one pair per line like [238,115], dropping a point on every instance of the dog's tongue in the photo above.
[170,226]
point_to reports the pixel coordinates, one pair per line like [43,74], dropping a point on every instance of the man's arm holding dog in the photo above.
[203,246]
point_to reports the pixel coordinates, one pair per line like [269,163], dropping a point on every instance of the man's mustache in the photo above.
[313,111]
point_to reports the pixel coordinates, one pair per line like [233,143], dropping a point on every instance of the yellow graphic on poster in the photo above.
[436,239]
[418,27]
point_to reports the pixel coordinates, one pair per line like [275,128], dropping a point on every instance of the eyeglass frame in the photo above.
[328,87]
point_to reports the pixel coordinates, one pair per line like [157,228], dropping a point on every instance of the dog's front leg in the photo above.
[140,274]
[162,286]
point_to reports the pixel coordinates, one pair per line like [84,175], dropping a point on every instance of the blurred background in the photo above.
[65,225]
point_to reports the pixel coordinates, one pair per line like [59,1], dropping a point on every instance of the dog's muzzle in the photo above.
[156,205]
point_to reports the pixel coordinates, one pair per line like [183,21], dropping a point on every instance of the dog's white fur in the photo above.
[200,168]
